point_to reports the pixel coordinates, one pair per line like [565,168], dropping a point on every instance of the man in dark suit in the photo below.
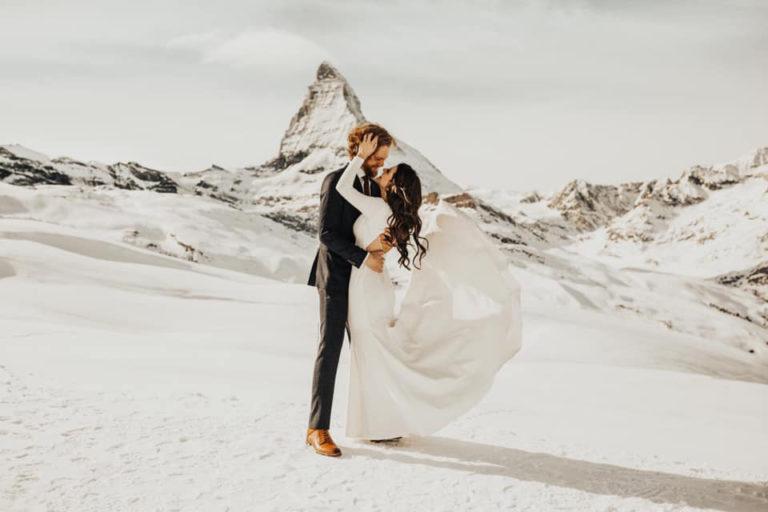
[330,274]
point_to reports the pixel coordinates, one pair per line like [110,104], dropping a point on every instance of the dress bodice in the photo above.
[371,224]
[374,211]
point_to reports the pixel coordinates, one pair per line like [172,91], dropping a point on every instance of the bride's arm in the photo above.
[346,187]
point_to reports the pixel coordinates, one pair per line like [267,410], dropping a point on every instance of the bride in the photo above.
[416,369]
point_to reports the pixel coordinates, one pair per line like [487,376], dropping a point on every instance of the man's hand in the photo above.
[381,243]
[367,146]
[375,261]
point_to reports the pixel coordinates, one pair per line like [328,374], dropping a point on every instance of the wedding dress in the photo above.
[415,370]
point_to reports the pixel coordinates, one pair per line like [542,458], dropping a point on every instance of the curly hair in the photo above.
[356,136]
[404,198]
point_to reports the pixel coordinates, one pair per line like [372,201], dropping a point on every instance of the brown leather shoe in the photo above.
[320,440]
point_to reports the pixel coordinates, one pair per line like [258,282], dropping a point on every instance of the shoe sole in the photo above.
[385,441]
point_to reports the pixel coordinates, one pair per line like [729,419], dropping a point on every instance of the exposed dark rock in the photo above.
[154,180]
[463,200]
[754,279]
[587,206]
[295,222]
[285,160]
[531,198]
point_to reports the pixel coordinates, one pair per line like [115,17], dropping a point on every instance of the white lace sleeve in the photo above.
[346,187]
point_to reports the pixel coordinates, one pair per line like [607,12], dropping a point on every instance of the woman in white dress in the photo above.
[415,370]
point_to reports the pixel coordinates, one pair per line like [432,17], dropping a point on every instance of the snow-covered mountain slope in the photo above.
[711,222]
[22,166]
[701,238]
[131,380]
[209,232]
[689,247]
[589,206]
[723,231]
[196,229]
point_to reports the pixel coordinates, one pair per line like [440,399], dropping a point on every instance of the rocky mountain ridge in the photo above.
[645,214]
[588,206]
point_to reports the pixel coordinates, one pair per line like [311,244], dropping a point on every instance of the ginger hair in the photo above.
[356,136]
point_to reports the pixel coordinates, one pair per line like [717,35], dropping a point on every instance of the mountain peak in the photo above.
[326,71]
[316,139]
[329,111]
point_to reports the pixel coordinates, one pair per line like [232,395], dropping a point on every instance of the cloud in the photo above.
[267,49]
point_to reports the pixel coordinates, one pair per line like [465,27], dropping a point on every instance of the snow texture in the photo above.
[157,340]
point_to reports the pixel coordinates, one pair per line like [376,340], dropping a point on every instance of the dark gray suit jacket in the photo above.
[337,252]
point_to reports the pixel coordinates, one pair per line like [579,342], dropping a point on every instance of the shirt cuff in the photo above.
[360,170]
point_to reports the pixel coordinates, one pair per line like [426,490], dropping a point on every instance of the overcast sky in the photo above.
[523,95]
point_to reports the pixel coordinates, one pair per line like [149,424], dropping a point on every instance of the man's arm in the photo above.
[329,225]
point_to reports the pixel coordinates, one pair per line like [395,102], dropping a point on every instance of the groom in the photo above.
[330,274]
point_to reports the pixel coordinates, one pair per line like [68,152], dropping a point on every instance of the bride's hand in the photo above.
[386,240]
[375,245]
[367,146]
[381,243]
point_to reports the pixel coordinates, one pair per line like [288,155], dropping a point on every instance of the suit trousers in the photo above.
[333,322]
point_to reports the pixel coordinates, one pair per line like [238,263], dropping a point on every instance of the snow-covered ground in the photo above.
[133,380]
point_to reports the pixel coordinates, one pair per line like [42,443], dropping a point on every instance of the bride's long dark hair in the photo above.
[404,198]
